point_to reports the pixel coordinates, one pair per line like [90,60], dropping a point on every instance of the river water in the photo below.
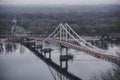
[19,63]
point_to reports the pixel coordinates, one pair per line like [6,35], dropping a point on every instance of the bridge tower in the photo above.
[65,34]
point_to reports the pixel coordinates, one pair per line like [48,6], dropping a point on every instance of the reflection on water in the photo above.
[9,47]
[113,48]
[14,65]
[104,44]
[1,48]
[100,44]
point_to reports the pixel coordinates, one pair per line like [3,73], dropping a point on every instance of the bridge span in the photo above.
[63,35]
[109,58]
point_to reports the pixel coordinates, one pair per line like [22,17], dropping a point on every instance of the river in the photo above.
[19,63]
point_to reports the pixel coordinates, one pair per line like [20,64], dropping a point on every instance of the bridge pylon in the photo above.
[64,33]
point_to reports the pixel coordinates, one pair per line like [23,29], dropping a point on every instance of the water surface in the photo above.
[19,63]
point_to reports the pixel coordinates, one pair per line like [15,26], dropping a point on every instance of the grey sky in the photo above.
[48,2]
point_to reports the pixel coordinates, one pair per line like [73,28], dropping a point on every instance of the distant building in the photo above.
[17,30]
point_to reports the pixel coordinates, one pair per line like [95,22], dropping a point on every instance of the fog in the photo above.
[60,2]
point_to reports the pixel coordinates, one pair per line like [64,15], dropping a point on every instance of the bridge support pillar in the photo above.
[64,66]
[64,58]
[39,48]
[62,48]
[47,51]
[39,45]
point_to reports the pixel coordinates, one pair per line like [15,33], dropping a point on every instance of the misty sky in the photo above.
[54,2]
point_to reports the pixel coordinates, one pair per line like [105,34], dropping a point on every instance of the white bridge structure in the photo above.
[66,34]
[66,37]
[63,35]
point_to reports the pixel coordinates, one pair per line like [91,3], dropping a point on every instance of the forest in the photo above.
[97,20]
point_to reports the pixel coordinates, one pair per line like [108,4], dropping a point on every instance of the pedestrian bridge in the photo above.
[67,37]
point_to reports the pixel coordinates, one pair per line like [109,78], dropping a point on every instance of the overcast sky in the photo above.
[54,2]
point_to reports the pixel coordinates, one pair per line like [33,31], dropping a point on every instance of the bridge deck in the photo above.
[107,57]
[103,56]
